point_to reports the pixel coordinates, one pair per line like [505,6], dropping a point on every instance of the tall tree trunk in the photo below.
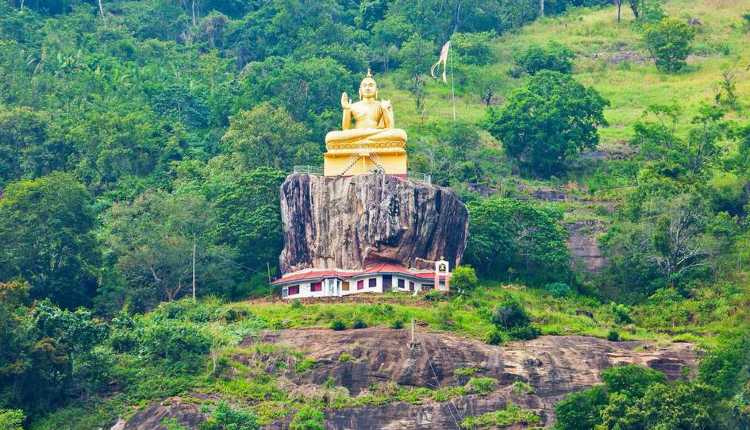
[195,22]
[101,9]
[635,7]
[541,8]
[619,10]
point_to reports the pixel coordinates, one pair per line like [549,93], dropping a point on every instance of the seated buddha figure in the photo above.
[366,122]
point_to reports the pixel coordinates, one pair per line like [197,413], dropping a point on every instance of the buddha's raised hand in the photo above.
[346,102]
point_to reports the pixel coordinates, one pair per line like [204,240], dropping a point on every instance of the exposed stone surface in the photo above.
[583,243]
[552,365]
[155,416]
[349,222]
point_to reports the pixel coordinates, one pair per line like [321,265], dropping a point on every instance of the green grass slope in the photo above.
[612,58]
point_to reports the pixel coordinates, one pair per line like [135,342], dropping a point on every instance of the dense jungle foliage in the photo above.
[138,138]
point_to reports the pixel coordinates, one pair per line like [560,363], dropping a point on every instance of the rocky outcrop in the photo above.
[158,416]
[583,243]
[552,365]
[350,222]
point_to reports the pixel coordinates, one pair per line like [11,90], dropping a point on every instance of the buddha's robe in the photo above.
[372,125]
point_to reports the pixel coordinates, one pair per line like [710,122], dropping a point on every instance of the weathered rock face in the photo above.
[552,365]
[350,222]
[583,244]
[155,416]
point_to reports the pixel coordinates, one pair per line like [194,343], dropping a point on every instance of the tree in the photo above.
[678,240]
[464,279]
[472,48]
[158,239]
[302,88]
[554,56]
[581,410]
[248,216]
[510,236]
[266,136]
[46,228]
[683,405]
[47,354]
[669,41]
[416,56]
[631,380]
[26,149]
[549,120]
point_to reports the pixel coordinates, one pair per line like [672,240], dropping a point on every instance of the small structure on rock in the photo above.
[364,226]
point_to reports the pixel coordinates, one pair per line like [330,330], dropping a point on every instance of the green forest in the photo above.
[143,144]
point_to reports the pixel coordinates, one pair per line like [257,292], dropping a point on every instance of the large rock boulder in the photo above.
[350,222]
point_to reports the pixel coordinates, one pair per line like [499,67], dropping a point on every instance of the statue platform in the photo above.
[350,159]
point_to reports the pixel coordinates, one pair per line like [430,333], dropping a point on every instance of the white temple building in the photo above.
[378,278]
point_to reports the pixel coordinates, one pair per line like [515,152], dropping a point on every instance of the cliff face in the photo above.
[349,222]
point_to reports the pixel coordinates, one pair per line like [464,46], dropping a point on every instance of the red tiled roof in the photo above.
[380,268]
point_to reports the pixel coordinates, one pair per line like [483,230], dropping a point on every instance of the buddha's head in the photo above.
[368,89]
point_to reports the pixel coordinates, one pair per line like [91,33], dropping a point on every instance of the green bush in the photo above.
[338,325]
[296,304]
[510,315]
[508,416]
[558,289]
[481,385]
[359,323]
[669,42]
[464,279]
[434,296]
[304,365]
[528,332]
[397,324]
[613,336]
[181,345]
[554,56]
[621,313]
[226,418]
[495,337]
[308,418]
[11,419]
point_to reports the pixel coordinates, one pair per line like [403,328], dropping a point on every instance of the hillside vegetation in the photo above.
[141,139]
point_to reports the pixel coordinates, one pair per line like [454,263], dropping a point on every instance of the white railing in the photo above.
[310,170]
[420,177]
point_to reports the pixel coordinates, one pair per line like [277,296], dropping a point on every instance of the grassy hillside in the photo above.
[613,59]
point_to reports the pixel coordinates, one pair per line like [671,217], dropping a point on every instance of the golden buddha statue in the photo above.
[368,139]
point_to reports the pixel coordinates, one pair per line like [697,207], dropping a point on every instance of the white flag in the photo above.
[443,60]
